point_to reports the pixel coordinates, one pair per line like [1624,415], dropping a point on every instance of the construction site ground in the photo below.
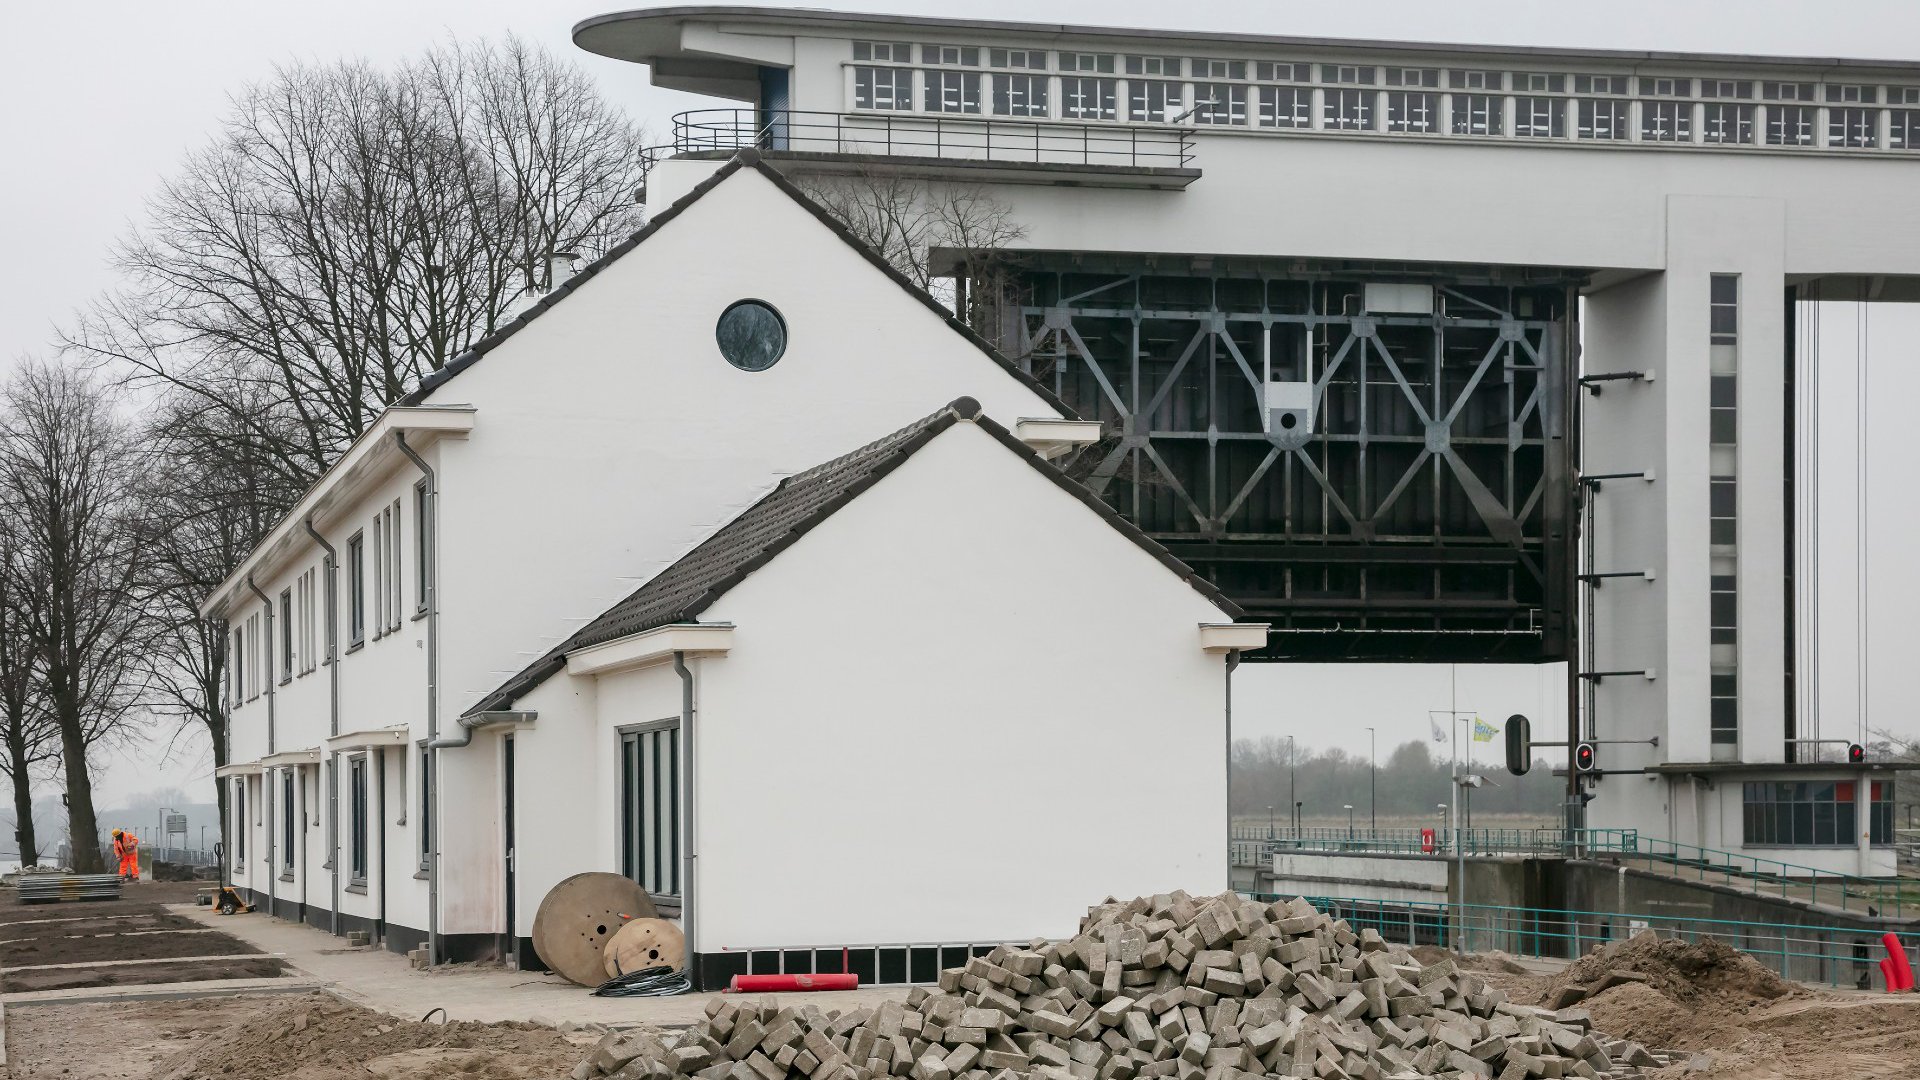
[326,1010]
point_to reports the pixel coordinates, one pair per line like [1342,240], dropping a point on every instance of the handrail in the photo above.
[957,136]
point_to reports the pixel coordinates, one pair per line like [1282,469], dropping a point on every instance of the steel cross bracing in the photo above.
[1423,511]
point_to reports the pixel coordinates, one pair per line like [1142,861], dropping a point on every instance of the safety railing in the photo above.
[963,137]
[1259,843]
[1835,955]
[1886,897]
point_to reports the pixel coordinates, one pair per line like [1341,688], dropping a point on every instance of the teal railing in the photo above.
[1834,955]
[1886,897]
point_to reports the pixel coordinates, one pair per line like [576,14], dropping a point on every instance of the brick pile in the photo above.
[1171,986]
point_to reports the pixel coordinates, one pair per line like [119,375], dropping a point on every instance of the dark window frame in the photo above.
[356,589]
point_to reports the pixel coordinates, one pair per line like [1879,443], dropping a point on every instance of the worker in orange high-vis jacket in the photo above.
[126,846]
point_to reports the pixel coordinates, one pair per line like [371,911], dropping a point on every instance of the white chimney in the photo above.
[559,268]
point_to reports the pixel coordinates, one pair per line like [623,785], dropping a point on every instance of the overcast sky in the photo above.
[103,99]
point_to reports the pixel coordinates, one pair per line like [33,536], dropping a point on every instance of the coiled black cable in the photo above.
[647,982]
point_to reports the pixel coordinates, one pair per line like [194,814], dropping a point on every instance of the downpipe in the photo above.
[1233,661]
[333,718]
[432,779]
[691,848]
[266,775]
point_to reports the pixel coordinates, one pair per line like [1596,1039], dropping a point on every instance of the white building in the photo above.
[1680,204]
[603,441]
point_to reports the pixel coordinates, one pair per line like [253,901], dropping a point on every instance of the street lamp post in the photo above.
[1349,821]
[1293,759]
[1373,789]
[1299,817]
[1269,822]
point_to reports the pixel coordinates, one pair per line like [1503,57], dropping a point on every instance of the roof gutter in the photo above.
[333,720]
[473,722]
[431,572]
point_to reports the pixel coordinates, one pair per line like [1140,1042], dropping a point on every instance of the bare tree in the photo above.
[351,230]
[27,735]
[68,471]
[951,239]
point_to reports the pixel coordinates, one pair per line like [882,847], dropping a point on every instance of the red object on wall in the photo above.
[775,984]
[1902,972]
[1426,842]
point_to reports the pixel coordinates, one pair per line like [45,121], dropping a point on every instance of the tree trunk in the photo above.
[83,830]
[18,763]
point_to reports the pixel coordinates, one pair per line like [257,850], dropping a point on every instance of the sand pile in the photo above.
[1688,972]
[311,1036]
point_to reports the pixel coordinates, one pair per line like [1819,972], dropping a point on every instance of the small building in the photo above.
[583,451]
[888,722]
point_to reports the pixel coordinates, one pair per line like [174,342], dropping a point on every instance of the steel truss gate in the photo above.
[1419,509]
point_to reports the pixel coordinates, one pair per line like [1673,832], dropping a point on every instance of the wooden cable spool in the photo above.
[579,916]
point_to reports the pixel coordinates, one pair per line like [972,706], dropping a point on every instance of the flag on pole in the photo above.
[1439,730]
[1483,731]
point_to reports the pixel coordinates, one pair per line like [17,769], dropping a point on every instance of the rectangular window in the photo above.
[1723,501]
[1727,124]
[1477,114]
[1852,127]
[1096,63]
[1814,813]
[1724,717]
[1723,611]
[1904,131]
[885,52]
[1154,101]
[1170,66]
[1724,320]
[1539,118]
[1296,73]
[1535,82]
[1600,84]
[1476,80]
[952,91]
[1666,121]
[1734,89]
[239,820]
[1347,110]
[650,807]
[1349,74]
[357,819]
[287,810]
[357,589]
[1019,95]
[310,621]
[286,635]
[379,532]
[950,55]
[1286,107]
[1789,124]
[1089,99]
[1722,426]
[883,89]
[1027,59]
[237,663]
[395,575]
[1664,87]
[422,538]
[1220,69]
[1421,77]
[426,808]
[1413,111]
[1603,118]
[1220,104]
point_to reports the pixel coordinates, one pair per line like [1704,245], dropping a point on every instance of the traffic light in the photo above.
[1519,745]
[1856,754]
[1583,760]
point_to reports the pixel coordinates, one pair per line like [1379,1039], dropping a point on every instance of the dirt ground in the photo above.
[135,927]
[279,1036]
[1731,1017]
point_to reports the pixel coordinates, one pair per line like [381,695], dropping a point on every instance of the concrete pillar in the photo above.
[1863,823]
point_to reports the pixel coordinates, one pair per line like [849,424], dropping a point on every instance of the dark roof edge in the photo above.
[1494,53]
[744,159]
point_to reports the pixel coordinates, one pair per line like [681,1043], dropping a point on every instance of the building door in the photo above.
[650,808]
[513,932]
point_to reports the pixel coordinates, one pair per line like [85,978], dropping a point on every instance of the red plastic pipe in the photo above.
[775,984]
[1902,970]
[1886,973]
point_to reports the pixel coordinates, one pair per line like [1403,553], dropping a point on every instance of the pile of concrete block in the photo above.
[1170,986]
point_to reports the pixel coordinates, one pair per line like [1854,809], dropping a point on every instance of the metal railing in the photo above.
[963,137]
[1836,955]
[1877,897]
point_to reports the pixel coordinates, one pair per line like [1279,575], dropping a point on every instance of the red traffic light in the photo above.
[1856,754]
[1583,757]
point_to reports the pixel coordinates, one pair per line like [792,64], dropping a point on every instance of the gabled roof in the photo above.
[681,592]
[745,159]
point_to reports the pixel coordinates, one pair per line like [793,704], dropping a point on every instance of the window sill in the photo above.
[418,614]
[420,875]
[287,877]
[356,646]
[358,888]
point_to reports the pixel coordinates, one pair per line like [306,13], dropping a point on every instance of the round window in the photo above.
[751,334]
